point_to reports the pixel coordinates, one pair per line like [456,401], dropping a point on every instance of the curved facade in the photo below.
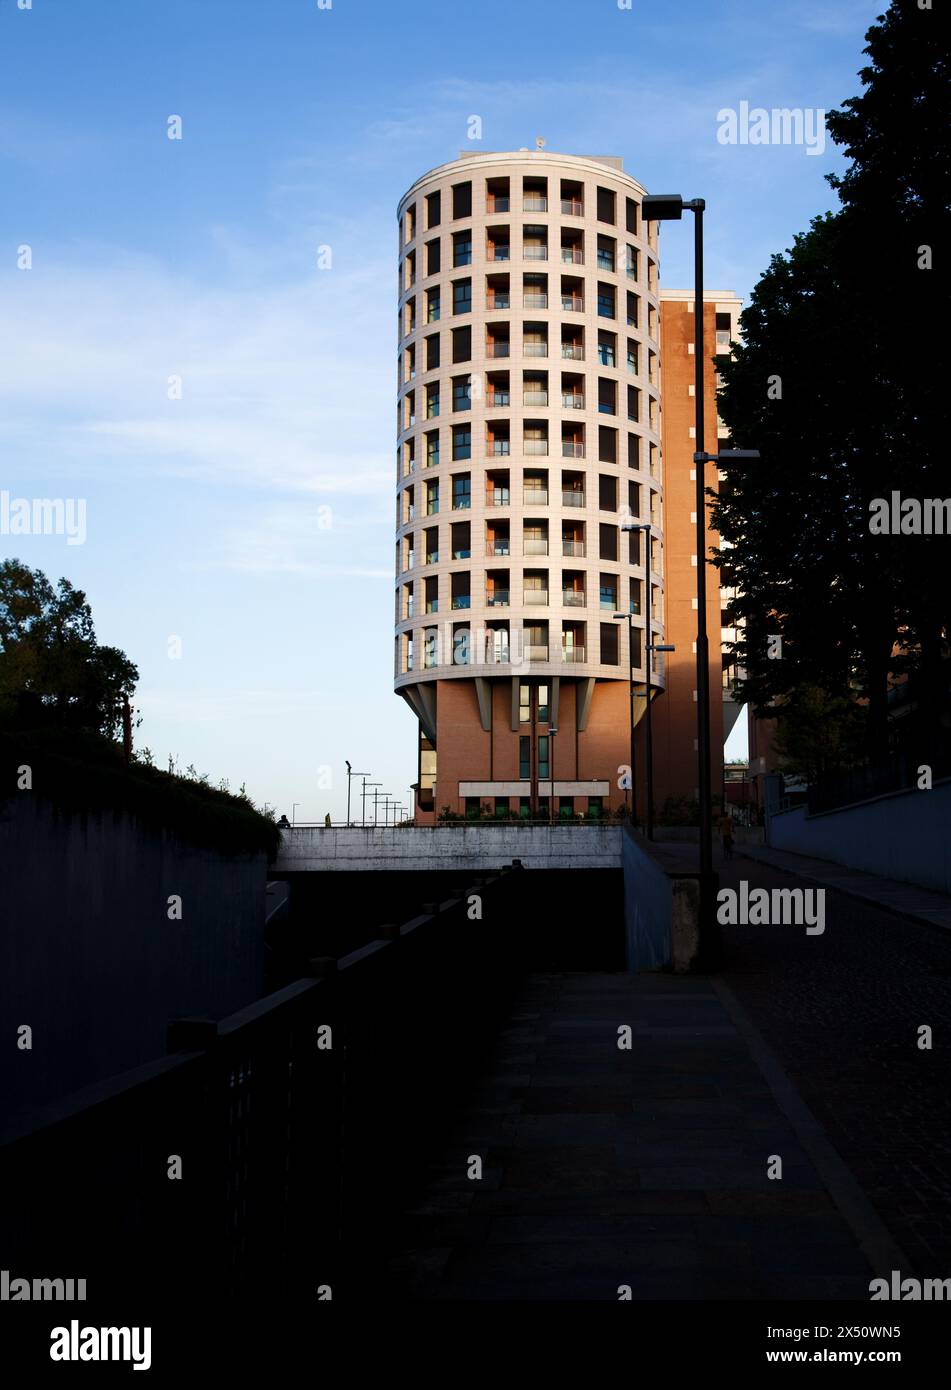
[528,436]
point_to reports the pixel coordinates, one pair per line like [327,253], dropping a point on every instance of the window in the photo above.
[432,305]
[432,352]
[607,444]
[631,262]
[432,257]
[607,396]
[433,209]
[432,498]
[609,644]
[543,769]
[606,349]
[524,703]
[525,756]
[432,595]
[606,206]
[462,344]
[462,200]
[461,493]
[607,493]
[632,356]
[605,300]
[634,601]
[632,308]
[543,704]
[595,807]
[607,541]
[606,253]
[461,296]
[473,808]
[634,499]
[630,216]
[431,536]
[501,808]
[461,540]
[430,647]
[566,807]
[607,592]
[432,400]
[461,248]
[633,403]
[460,393]
[634,451]
[461,442]
[432,448]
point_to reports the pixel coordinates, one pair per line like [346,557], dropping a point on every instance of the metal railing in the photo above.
[572,499]
[573,598]
[572,654]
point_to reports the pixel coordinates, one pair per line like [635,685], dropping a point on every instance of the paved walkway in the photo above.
[904,899]
[604,1167]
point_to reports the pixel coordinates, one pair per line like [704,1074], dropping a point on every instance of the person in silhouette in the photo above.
[284,823]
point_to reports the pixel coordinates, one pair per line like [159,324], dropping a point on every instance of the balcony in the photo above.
[570,450]
[497,252]
[535,446]
[573,548]
[535,349]
[535,300]
[536,652]
[573,350]
[498,598]
[535,251]
[539,495]
[498,398]
[496,204]
[499,447]
[499,547]
[572,255]
[572,400]
[534,546]
[499,301]
[572,207]
[535,598]
[497,349]
[499,497]
[534,397]
[572,303]
[723,337]
[535,204]
[572,654]
[572,499]
[573,598]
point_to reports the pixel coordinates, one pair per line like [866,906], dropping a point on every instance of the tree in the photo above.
[837,384]
[53,672]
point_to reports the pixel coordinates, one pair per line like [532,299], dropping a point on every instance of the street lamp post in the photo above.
[365,794]
[294,806]
[660,207]
[351,773]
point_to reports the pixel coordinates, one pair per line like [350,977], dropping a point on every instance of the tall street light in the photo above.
[366,793]
[663,207]
[647,528]
[351,773]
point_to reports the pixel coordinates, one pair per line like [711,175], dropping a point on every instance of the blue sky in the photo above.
[253,518]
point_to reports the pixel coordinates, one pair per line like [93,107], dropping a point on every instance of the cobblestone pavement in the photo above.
[842,1012]
[603,1166]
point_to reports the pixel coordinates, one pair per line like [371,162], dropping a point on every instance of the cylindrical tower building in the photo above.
[528,439]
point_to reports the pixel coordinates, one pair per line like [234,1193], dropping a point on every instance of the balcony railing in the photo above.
[535,204]
[533,252]
[572,598]
[535,598]
[461,600]
[533,546]
[572,207]
[534,397]
[499,447]
[573,548]
[572,450]
[572,499]
[499,301]
[723,337]
[497,349]
[535,494]
[572,654]
[534,300]
[572,255]
[572,400]
[573,303]
[535,349]
[496,204]
[535,446]
[497,253]
[497,498]
[574,350]
[536,651]
[498,598]
[499,547]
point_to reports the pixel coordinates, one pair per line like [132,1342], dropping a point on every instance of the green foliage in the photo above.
[82,772]
[843,321]
[819,733]
[53,672]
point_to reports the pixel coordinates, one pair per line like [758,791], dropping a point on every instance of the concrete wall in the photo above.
[478,846]
[648,906]
[905,836]
[88,956]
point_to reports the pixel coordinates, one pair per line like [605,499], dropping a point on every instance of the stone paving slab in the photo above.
[646,1167]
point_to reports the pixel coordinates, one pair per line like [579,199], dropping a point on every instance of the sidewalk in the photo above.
[645,1167]
[904,899]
